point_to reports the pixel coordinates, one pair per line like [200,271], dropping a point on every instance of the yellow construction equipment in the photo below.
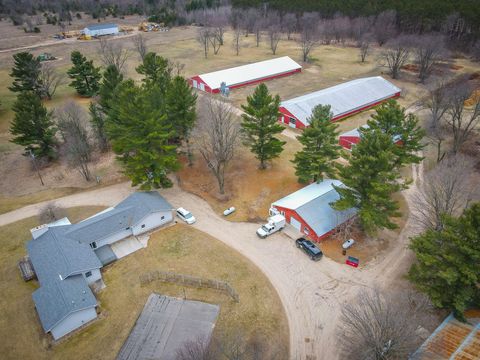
[148,26]
[84,37]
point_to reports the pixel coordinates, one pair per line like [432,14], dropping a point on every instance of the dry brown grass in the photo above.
[178,248]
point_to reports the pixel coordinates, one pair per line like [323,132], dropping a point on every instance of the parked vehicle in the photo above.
[309,248]
[229,211]
[274,224]
[348,243]
[186,216]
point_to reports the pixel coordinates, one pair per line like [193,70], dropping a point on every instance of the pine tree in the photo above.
[141,137]
[447,267]
[26,73]
[391,119]
[180,108]
[111,79]
[85,76]
[32,126]
[320,147]
[260,125]
[370,179]
[156,70]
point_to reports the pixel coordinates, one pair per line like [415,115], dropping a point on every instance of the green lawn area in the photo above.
[178,248]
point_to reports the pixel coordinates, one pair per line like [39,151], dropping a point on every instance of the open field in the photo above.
[178,248]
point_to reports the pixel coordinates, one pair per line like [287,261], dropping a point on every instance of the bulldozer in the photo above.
[84,37]
[148,26]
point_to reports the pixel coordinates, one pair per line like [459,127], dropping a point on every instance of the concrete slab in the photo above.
[164,326]
[126,246]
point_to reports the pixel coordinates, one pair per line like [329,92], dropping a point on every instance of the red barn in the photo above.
[345,99]
[308,210]
[245,74]
[350,138]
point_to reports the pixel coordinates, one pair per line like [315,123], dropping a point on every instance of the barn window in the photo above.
[292,120]
[306,231]
[143,225]
[88,274]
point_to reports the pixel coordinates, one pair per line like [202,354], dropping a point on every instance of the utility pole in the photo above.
[35,165]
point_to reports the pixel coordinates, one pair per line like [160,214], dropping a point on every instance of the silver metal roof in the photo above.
[343,98]
[246,73]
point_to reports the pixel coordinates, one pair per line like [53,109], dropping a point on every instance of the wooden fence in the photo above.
[171,277]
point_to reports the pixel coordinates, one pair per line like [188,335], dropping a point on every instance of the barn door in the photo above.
[295,223]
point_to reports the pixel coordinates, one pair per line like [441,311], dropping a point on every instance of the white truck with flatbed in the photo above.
[275,223]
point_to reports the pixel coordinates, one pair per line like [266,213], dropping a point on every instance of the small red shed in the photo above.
[308,210]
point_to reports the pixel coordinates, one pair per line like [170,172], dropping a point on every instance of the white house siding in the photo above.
[73,321]
[100,32]
[114,237]
[96,275]
[152,221]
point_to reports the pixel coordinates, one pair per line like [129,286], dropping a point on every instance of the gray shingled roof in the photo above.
[127,213]
[64,251]
[53,254]
[57,298]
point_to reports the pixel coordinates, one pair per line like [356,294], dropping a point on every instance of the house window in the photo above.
[306,231]
[88,274]
[292,120]
[93,245]
[143,225]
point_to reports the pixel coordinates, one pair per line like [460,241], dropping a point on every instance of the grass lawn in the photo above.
[178,248]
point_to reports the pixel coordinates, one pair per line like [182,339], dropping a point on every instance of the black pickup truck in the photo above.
[309,248]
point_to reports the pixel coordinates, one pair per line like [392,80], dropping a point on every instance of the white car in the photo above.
[348,243]
[186,216]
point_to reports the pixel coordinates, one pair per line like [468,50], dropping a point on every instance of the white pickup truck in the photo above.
[274,224]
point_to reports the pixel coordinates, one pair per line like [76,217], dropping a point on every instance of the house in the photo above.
[345,99]
[350,138]
[453,340]
[308,210]
[165,325]
[67,258]
[245,74]
[101,29]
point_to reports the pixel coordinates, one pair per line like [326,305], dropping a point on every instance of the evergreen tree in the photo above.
[370,180]
[111,79]
[85,76]
[260,125]
[390,118]
[180,108]
[156,70]
[320,147]
[141,137]
[98,121]
[26,73]
[32,126]
[447,267]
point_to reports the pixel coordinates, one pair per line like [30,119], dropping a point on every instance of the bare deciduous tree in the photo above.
[216,40]
[49,80]
[73,126]
[274,36]
[447,190]
[364,46]
[396,54]
[361,26]
[237,40]
[175,67]
[217,139]
[385,27]
[428,50]
[113,53]
[380,327]
[309,34]
[195,350]
[257,29]
[51,212]
[289,23]
[140,45]
[461,119]
[203,37]
[341,28]
[437,103]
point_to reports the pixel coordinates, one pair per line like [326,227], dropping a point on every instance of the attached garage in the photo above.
[245,74]
[308,210]
[345,99]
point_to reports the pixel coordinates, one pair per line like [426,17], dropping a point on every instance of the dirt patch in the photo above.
[410,67]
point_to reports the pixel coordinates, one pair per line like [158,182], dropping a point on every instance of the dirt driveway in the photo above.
[312,293]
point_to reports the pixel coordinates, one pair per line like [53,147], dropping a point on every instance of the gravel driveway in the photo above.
[312,293]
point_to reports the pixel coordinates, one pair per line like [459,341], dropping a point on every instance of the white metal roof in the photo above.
[250,72]
[355,132]
[306,194]
[342,98]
